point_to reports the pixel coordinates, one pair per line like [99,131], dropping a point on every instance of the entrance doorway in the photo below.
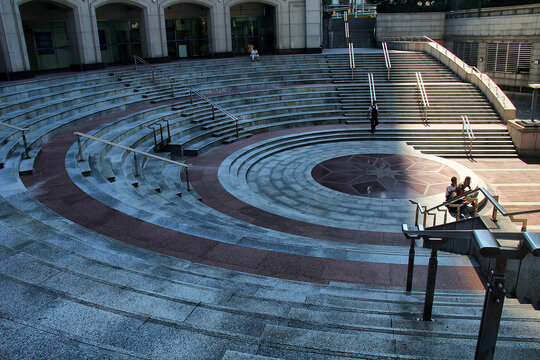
[119,30]
[253,25]
[187,30]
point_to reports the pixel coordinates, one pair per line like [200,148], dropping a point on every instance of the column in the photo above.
[14,62]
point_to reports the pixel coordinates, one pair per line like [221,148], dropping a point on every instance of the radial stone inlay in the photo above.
[383,175]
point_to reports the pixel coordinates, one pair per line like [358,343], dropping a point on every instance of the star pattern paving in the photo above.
[388,176]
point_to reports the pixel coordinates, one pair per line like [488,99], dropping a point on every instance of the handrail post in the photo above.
[430,286]
[168,132]
[410,268]
[425,216]
[191,95]
[136,164]
[494,214]
[155,138]
[416,217]
[213,113]
[187,180]
[26,154]
[161,133]
[491,312]
[236,124]
[80,153]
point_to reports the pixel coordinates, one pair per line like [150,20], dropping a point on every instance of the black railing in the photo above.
[489,246]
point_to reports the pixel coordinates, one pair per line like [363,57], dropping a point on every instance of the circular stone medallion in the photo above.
[388,176]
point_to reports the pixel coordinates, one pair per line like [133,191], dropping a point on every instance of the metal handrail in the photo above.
[214,106]
[159,122]
[487,246]
[372,93]
[154,71]
[493,199]
[492,86]
[352,63]
[467,128]
[423,93]
[387,58]
[80,156]
[23,131]
[347,31]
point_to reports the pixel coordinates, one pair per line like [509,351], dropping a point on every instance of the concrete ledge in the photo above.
[526,137]
[86,67]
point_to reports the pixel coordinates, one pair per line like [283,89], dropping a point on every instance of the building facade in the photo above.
[40,35]
[502,42]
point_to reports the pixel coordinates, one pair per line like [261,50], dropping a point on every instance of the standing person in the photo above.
[373,114]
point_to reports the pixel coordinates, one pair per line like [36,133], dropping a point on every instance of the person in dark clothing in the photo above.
[373,115]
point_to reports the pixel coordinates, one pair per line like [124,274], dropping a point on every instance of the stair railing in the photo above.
[163,142]
[23,132]
[489,246]
[372,94]
[154,71]
[352,63]
[347,31]
[214,107]
[423,94]
[490,84]
[387,58]
[455,202]
[80,156]
[466,128]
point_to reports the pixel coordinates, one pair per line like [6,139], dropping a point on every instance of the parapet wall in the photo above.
[494,94]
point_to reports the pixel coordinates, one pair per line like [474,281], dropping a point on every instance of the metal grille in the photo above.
[509,57]
[467,51]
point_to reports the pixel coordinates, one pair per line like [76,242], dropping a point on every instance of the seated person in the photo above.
[465,186]
[254,55]
[451,192]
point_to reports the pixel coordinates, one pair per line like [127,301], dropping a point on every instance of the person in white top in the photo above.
[451,189]
[254,55]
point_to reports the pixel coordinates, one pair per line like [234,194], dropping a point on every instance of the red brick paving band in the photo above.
[52,186]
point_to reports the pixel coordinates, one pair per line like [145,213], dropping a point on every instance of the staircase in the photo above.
[361,33]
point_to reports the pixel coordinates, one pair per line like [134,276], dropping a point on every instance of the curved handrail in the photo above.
[214,105]
[134,151]
[154,71]
[493,199]
[23,132]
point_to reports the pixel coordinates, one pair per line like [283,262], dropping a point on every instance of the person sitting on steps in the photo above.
[254,55]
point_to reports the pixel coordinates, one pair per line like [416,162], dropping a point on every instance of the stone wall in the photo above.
[517,24]
[410,25]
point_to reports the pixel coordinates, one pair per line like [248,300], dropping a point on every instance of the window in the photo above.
[509,57]
[466,51]
[44,43]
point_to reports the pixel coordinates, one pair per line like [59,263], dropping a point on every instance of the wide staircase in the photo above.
[71,291]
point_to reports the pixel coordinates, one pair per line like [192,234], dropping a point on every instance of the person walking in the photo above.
[373,115]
